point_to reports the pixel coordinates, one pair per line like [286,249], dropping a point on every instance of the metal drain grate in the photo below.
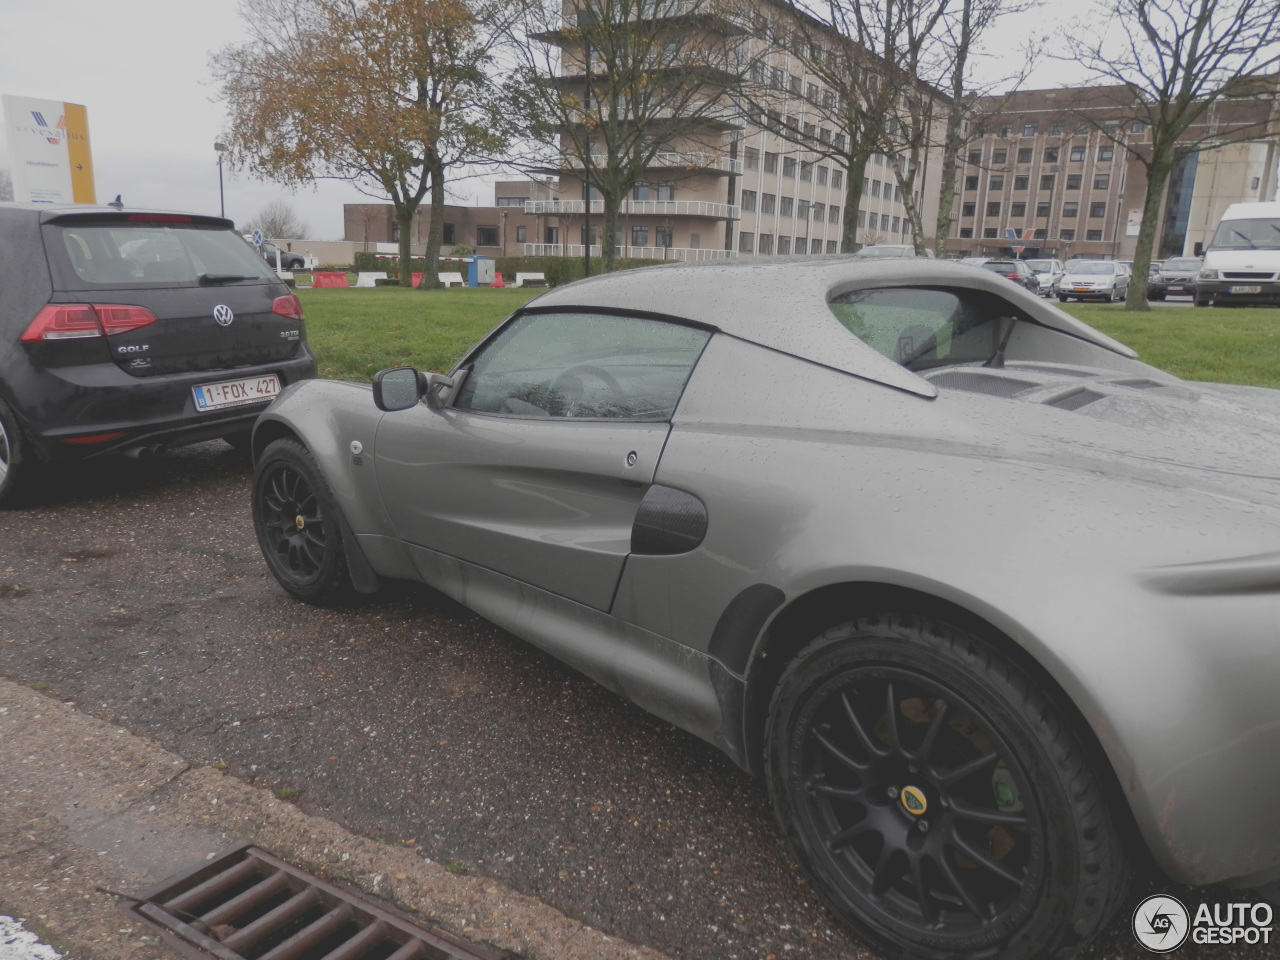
[249,905]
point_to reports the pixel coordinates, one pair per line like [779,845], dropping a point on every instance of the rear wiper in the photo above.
[207,279]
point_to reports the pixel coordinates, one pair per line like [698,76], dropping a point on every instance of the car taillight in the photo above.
[75,321]
[1012,276]
[289,306]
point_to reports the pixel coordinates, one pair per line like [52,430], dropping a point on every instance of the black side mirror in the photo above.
[396,389]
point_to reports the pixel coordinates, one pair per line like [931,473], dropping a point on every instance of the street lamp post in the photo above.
[221,148]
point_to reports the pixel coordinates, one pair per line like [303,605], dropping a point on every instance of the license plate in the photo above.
[1173,289]
[1082,289]
[1244,289]
[233,393]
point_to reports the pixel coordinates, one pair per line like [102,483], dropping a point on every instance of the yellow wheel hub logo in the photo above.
[299,522]
[913,801]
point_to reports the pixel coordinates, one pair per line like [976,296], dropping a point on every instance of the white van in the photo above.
[1242,261]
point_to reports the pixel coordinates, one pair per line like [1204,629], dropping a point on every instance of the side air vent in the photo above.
[976,381]
[249,905]
[1075,399]
[668,522]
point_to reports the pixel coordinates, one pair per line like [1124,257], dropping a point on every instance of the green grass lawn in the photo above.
[356,333]
[1224,344]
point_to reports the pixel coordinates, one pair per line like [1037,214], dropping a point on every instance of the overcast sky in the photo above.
[141,68]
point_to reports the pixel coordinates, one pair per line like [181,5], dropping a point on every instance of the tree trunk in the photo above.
[855,170]
[404,217]
[435,234]
[1157,181]
[608,230]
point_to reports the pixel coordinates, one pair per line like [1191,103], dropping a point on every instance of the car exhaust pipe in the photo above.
[143,452]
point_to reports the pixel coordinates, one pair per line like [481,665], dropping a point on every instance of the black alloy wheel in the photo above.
[920,781]
[298,524]
[12,467]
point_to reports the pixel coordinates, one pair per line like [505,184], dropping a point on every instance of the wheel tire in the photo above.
[1062,299]
[299,525]
[14,464]
[1018,856]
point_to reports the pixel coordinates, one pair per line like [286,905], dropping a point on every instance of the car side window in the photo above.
[925,326]
[583,365]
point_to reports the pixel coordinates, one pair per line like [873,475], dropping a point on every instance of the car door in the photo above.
[536,468]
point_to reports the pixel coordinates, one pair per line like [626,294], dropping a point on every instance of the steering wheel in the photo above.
[604,376]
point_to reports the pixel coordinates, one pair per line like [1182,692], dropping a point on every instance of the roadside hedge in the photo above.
[558,270]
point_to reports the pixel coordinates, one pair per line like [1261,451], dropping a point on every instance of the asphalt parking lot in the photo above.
[136,590]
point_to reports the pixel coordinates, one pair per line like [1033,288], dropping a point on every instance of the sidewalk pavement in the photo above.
[86,808]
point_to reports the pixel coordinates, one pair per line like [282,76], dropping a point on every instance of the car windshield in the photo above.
[1040,266]
[885,251]
[1181,263]
[921,327]
[125,253]
[1263,233]
[1093,268]
[1000,266]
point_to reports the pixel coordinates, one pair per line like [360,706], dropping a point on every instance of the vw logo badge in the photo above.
[222,313]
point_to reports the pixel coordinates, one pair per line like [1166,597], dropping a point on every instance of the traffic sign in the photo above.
[257,238]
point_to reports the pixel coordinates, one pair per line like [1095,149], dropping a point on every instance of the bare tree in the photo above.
[612,84]
[1194,73]
[6,186]
[278,220]
[390,95]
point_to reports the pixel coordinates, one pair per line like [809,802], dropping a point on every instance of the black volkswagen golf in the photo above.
[131,331]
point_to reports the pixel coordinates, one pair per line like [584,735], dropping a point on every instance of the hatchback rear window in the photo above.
[126,254]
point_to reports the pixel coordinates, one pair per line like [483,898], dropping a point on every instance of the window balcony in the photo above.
[640,208]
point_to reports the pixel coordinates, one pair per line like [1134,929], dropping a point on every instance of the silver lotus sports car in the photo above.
[990,604]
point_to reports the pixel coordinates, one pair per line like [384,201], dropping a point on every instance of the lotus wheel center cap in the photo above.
[913,801]
[299,522]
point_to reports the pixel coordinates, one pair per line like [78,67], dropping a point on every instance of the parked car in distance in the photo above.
[1016,270]
[1094,280]
[1174,277]
[1047,272]
[987,602]
[288,260]
[881,250]
[1242,261]
[131,331]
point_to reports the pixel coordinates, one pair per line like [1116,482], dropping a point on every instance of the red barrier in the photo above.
[497,280]
[330,280]
[417,280]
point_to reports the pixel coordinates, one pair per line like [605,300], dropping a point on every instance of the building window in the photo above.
[1111,126]
[639,236]
[1018,209]
[822,176]
[695,240]
[810,131]
[1006,130]
[1084,128]
[988,233]
[1077,154]
[866,186]
[1097,209]
[862,218]
[971,183]
[996,182]
[522,234]
[1040,234]
[767,202]
[975,156]
[966,233]
[968,209]
[641,191]
[802,209]
[770,162]
[840,142]
[746,242]
[778,77]
[1050,154]
[833,213]
[793,84]
[757,72]
[512,201]
[811,92]
[819,211]
[1021,181]
[1073,181]
[1106,153]
[897,225]
[663,236]
[1055,128]
[486,236]
[784,246]
[448,236]
[1139,126]
[551,236]
[1046,181]
[837,179]
[666,190]
[789,167]
[824,134]
[750,158]
[1028,129]
[884,221]
[806,171]
[1024,154]
[875,188]
[831,247]
[1102,181]
[1071,209]
[993,208]
[1093,235]
[766,244]
[999,155]
[786,207]
[748,199]
[1066,234]
[1042,208]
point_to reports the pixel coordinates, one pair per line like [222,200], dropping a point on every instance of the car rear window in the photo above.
[120,253]
[1184,263]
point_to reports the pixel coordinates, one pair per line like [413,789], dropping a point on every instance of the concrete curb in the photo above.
[87,808]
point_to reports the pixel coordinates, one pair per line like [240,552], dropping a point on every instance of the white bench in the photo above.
[523,278]
[449,279]
[368,279]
